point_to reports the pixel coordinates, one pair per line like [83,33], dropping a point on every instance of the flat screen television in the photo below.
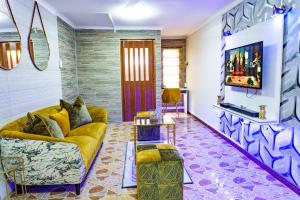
[243,66]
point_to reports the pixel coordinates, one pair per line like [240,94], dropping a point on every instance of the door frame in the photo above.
[123,73]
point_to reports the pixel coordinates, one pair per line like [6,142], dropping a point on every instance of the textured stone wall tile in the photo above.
[99,67]
[67,54]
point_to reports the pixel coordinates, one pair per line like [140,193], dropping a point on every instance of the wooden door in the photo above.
[138,77]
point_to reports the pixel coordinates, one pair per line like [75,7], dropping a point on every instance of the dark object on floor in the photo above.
[77,189]
[146,133]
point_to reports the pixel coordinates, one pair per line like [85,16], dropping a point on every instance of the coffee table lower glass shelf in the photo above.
[164,120]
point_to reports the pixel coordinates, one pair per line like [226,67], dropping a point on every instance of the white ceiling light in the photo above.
[135,12]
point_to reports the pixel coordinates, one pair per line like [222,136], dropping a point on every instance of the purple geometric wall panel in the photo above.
[222,83]
[290,98]
[231,126]
[276,146]
[252,12]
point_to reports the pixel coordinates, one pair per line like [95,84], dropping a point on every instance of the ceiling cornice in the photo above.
[55,12]
[95,27]
[156,28]
[117,28]
[173,37]
[217,14]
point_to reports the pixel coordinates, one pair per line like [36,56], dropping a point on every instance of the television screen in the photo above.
[243,66]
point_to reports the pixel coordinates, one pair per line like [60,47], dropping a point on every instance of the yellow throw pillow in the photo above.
[62,118]
[143,114]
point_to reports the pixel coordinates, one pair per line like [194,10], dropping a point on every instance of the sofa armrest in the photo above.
[45,163]
[98,114]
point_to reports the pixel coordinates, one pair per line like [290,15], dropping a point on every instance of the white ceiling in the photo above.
[5,22]
[176,18]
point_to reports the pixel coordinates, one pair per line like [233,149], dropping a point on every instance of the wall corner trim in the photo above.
[217,14]
[54,11]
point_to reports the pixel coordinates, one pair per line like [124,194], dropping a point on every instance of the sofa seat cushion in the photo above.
[89,138]
[95,130]
[88,148]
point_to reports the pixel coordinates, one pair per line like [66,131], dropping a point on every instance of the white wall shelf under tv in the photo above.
[256,120]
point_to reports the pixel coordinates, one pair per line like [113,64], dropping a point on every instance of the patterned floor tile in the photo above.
[218,170]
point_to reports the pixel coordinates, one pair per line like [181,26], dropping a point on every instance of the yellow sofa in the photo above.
[49,160]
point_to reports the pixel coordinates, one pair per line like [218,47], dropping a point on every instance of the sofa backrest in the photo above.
[18,124]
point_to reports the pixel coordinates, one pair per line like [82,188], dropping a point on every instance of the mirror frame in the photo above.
[14,21]
[36,7]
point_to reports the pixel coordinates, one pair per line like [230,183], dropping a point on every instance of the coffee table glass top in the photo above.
[146,121]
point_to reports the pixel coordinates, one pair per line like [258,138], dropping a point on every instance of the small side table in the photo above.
[12,168]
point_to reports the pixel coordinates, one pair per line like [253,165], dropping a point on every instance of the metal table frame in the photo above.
[166,121]
[11,172]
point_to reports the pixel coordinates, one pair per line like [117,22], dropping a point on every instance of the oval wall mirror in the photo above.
[10,39]
[37,41]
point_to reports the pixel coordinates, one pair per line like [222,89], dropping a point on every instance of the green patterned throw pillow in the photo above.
[40,125]
[52,126]
[35,125]
[78,112]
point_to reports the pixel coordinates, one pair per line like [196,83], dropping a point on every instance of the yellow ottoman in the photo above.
[159,172]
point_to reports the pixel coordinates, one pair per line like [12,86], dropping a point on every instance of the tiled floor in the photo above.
[218,170]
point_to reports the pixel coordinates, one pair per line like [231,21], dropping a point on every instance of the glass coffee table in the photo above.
[163,120]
